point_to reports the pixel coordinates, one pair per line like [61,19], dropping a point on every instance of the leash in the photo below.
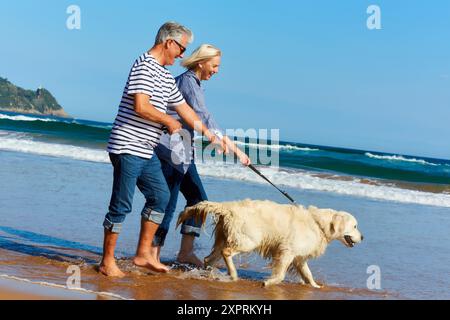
[262,176]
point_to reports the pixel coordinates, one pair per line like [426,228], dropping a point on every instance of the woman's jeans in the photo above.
[131,171]
[191,187]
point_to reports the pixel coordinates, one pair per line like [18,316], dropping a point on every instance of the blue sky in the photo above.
[310,68]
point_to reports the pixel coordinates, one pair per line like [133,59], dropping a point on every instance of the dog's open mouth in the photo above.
[349,241]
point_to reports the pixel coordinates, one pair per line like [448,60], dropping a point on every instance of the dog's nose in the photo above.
[362,237]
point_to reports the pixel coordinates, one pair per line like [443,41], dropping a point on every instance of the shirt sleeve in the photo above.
[141,79]
[196,99]
[175,98]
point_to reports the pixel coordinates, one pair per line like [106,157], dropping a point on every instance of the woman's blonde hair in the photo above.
[202,53]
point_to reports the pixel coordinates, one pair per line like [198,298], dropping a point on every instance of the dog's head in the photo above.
[338,225]
[344,228]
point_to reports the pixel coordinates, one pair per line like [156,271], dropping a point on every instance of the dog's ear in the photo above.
[336,225]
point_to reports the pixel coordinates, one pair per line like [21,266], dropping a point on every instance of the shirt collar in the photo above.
[191,73]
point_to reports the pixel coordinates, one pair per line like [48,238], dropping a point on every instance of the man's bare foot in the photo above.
[190,258]
[150,263]
[110,269]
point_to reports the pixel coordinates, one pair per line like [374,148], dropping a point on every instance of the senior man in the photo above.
[141,119]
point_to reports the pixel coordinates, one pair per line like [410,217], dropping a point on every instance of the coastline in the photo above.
[54,113]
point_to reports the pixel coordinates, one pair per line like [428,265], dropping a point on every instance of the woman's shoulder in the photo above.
[187,78]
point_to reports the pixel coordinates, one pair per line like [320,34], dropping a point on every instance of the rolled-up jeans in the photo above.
[191,187]
[131,171]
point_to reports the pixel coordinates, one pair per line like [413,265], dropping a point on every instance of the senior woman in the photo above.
[178,164]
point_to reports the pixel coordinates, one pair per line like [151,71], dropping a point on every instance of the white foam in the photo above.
[25,118]
[306,181]
[399,158]
[16,142]
[296,179]
[266,146]
[274,146]
[54,285]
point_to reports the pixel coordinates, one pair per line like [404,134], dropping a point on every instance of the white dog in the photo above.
[289,234]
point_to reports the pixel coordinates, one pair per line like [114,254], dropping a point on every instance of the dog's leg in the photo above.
[213,257]
[219,244]
[279,268]
[303,269]
[228,254]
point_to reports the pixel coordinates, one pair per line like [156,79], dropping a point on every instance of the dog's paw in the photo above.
[317,286]
[270,282]
[234,278]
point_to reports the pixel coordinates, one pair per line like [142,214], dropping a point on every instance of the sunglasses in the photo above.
[182,49]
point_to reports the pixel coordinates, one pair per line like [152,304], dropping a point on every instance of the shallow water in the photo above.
[52,209]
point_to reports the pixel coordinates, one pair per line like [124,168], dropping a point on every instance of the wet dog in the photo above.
[288,234]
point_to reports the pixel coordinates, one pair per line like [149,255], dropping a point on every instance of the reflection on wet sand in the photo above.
[28,256]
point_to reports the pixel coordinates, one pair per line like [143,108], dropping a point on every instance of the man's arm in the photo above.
[146,110]
[192,120]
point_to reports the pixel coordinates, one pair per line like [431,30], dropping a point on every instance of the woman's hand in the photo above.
[220,146]
[245,160]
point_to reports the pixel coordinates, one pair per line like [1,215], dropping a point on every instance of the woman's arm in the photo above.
[245,160]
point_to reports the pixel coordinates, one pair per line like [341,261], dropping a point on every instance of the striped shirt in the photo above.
[132,134]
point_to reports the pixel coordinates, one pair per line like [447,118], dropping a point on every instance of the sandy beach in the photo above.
[51,215]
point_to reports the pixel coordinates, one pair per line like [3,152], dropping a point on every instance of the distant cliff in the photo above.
[16,99]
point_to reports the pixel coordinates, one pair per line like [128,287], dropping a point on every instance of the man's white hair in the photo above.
[173,30]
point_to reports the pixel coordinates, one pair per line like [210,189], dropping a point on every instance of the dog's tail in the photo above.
[201,210]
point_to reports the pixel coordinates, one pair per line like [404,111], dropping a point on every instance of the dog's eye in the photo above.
[355,226]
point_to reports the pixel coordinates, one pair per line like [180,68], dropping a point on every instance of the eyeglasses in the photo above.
[182,49]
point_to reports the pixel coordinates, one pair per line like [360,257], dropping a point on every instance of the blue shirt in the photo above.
[170,147]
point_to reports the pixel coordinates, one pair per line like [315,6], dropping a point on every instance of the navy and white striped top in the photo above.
[132,134]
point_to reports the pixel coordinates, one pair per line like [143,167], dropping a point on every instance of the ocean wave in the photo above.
[399,158]
[83,123]
[19,143]
[293,178]
[65,121]
[25,118]
[274,146]
[54,285]
[306,181]
[268,146]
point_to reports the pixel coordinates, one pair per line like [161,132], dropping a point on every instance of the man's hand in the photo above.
[146,110]
[172,125]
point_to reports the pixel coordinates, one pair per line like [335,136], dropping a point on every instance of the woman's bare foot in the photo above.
[190,258]
[110,269]
[150,263]
[155,252]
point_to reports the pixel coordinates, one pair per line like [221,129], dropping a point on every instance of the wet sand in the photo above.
[13,289]
[182,283]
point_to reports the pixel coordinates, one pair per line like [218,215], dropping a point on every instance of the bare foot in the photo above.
[110,269]
[150,263]
[191,259]
[155,253]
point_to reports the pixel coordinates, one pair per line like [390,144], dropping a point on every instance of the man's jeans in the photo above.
[191,187]
[131,171]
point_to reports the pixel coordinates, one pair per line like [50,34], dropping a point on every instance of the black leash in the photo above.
[262,176]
